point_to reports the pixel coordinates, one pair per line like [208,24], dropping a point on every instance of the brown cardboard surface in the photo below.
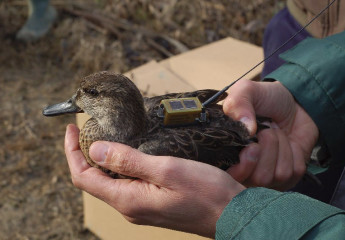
[108,224]
[155,79]
[211,66]
[217,64]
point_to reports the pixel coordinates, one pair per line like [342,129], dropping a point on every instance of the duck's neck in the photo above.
[124,125]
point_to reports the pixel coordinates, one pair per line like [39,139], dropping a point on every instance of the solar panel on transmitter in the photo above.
[180,111]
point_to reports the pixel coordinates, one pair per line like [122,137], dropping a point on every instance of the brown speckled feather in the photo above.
[89,134]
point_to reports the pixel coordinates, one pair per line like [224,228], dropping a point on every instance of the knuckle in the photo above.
[169,168]
[269,137]
[300,169]
[133,220]
[122,161]
[133,215]
[262,180]
[246,85]
[136,221]
[229,104]
[241,91]
[283,175]
[124,165]
[76,182]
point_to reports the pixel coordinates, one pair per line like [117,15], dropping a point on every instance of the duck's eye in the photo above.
[91,91]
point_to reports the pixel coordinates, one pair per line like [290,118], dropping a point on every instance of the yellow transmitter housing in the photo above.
[180,111]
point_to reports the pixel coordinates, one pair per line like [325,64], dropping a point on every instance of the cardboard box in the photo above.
[212,66]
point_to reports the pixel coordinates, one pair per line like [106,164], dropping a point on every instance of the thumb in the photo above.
[239,104]
[125,160]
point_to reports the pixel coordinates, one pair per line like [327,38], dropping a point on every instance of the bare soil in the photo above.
[37,198]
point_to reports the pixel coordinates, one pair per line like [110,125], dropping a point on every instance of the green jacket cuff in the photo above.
[260,213]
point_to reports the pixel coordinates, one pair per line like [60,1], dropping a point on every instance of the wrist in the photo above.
[229,193]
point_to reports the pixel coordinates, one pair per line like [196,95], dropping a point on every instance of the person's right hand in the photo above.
[279,159]
[165,191]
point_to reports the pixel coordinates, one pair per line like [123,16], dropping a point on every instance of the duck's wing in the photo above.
[203,95]
[218,147]
[169,143]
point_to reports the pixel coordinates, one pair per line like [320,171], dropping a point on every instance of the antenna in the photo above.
[214,97]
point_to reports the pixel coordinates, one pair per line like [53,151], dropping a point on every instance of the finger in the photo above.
[125,160]
[299,160]
[78,166]
[263,174]
[268,99]
[284,172]
[275,101]
[298,169]
[75,157]
[239,104]
[115,192]
[249,157]
[84,176]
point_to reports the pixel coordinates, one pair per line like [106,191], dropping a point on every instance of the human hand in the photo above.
[279,159]
[169,192]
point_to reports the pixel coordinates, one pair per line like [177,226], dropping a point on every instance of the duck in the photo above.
[119,113]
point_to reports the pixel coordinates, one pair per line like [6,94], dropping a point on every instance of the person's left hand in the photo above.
[167,192]
[280,157]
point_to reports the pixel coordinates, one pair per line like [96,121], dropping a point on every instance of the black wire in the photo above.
[214,97]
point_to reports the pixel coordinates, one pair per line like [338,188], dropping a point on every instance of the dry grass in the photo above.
[37,199]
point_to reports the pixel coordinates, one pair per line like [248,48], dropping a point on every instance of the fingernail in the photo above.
[274,125]
[248,123]
[270,124]
[252,153]
[98,152]
[267,124]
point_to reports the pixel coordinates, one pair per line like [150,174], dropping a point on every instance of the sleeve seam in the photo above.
[249,220]
[318,82]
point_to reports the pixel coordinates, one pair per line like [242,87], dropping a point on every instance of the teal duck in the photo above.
[119,113]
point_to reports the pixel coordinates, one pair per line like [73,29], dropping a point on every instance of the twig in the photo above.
[114,25]
[95,19]
[159,48]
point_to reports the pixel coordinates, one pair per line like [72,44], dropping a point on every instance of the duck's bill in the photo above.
[62,108]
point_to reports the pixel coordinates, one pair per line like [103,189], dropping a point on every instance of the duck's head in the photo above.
[105,96]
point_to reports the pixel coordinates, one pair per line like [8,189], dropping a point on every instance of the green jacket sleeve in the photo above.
[260,213]
[315,75]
